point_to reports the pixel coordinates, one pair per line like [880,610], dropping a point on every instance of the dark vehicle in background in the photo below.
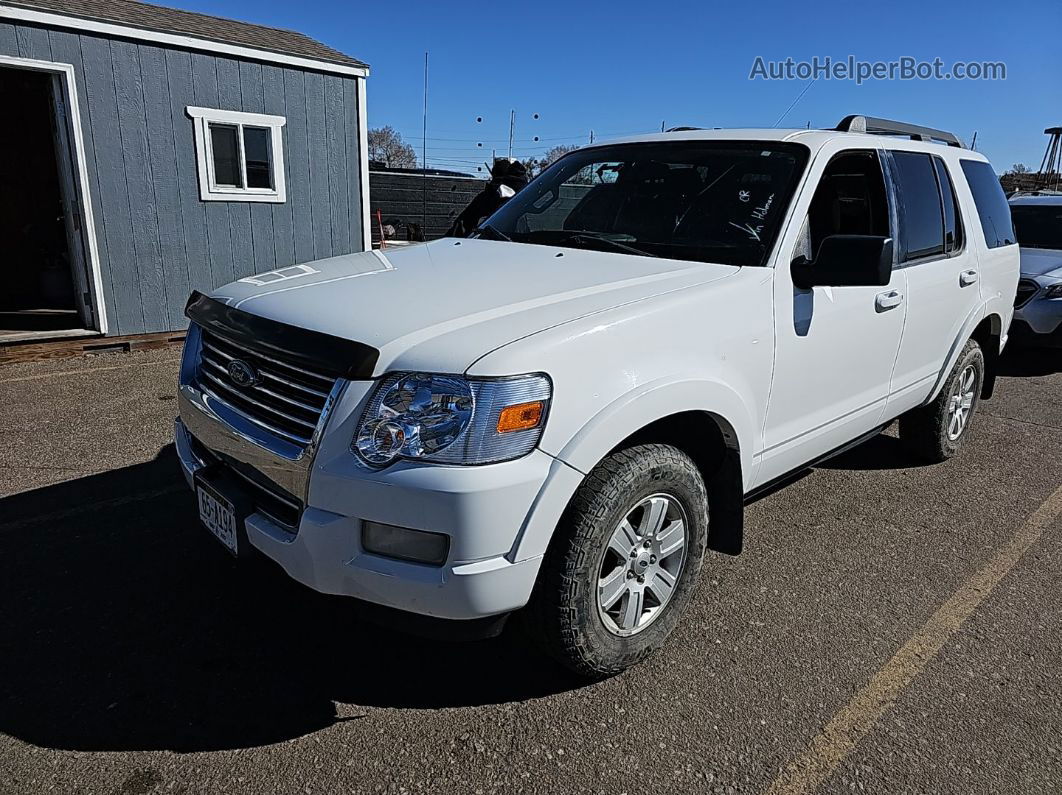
[1038,305]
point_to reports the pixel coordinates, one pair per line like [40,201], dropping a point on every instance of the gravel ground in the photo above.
[137,658]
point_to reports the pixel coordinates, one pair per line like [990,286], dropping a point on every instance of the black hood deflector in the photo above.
[335,356]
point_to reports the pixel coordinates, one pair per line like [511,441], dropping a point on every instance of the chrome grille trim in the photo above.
[298,440]
[250,436]
[290,405]
[270,376]
[207,344]
[216,382]
[264,391]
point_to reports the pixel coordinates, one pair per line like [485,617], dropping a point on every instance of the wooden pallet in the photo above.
[12,352]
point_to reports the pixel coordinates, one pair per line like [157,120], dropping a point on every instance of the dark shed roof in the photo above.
[203,26]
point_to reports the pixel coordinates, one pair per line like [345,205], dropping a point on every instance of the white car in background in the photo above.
[558,416]
[1038,305]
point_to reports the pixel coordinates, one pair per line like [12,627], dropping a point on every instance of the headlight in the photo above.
[1054,291]
[452,420]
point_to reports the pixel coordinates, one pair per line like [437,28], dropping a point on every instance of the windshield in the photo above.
[708,201]
[1038,225]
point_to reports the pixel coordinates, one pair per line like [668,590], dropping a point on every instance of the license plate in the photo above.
[218,515]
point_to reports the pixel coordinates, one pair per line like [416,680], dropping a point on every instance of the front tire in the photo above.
[624,563]
[935,432]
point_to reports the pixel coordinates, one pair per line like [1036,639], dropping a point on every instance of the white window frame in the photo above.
[209,190]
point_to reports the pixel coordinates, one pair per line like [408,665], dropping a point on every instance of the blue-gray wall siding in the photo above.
[157,240]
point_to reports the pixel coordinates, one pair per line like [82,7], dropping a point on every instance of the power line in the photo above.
[794,102]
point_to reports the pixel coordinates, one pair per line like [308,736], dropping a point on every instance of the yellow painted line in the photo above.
[90,370]
[844,731]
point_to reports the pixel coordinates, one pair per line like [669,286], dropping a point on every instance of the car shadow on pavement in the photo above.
[879,452]
[127,627]
[1027,362]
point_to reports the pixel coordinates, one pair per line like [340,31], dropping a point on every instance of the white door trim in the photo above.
[81,181]
[363,157]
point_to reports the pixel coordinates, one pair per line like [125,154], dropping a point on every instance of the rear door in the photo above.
[941,268]
[999,261]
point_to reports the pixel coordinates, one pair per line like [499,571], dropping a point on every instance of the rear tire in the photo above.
[624,562]
[935,432]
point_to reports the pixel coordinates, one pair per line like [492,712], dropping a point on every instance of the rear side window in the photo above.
[922,218]
[992,207]
[952,216]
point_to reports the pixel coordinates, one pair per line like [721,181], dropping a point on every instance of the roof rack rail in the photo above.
[683,129]
[874,126]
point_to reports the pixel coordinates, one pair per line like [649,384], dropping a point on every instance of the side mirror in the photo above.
[846,261]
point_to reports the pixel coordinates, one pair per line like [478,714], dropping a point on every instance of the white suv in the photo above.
[560,415]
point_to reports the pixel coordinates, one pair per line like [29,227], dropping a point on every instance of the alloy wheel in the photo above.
[642,564]
[960,407]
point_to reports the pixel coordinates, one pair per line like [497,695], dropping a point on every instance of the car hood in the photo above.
[1041,262]
[444,304]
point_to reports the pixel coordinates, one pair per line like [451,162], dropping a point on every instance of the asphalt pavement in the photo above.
[891,627]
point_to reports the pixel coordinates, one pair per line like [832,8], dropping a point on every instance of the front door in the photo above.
[835,347]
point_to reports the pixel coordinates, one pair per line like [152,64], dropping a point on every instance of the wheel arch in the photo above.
[708,420]
[710,440]
[987,330]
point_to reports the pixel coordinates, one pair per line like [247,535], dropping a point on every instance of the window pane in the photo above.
[850,200]
[921,216]
[1038,225]
[226,155]
[710,201]
[256,150]
[952,216]
[991,203]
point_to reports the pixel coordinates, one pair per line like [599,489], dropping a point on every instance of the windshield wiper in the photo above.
[494,232]
[595,237]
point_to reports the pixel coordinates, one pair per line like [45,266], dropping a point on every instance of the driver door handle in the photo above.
[892,298]
[966,278]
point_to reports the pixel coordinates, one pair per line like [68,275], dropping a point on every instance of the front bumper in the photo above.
[482,509]
[1041,315]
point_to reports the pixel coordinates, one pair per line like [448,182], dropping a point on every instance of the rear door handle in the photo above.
[966,278]
[892,298]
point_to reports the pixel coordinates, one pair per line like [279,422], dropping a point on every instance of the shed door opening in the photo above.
[41,262]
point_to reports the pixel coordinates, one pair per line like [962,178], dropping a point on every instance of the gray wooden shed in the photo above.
[157,151]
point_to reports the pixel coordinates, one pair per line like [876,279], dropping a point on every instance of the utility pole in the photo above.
[424,156]
[512,126]
[424,131]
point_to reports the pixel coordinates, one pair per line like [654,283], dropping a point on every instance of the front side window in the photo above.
[239,155]
[922,218]
[1038,225]
[850,199]
[708,201]
[991,202]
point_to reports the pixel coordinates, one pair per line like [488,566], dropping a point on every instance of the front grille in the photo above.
[287,400]
[1026,290]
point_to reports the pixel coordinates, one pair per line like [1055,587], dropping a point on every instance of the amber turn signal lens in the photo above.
[520,417]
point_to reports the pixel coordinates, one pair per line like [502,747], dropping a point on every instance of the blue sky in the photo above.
[625,67]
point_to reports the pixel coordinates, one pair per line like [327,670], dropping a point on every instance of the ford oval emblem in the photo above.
[242,374]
